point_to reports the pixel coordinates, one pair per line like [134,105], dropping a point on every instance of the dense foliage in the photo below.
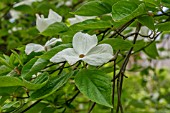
[83,56]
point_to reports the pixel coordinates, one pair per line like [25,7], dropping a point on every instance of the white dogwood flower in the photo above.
[39,48]
[85,48]
[43,23]
[78,19]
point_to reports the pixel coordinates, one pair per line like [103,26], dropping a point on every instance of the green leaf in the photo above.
[147,21]
[32,67]
[126,10]
[51,86]
[9,105]
[6,81]
[118,43]
[95,85]
[17,57]
[55,29]
[166,3]
[139,45]
[5,62]
[4,70]
[4,91]
[37,108]
[163,26]
[39,82]
[24,9]
[152,2]
[91,24]
[152,51]
[54,51]
[93,8]
[111,2]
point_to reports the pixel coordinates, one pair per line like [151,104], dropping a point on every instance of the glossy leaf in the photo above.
[91,24]
[51,86]
[32,67]
[39,82]
[6,81]
[118,43]
[126,10]
[93,8]
[55,29]
[95,85]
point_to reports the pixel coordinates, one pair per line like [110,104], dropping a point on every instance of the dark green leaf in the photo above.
[55,29]
[166,3]
[95,85]
[118,43]
[91,24]
[110,2]
[139,45]
[147,21]
[51,86]
[93,8]
[126,10]
[163,26]
[152,51]
[32,67]
[24,8]
[39,82]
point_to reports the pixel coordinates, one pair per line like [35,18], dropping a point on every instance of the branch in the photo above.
[91,108]
[122,28]
[113,85]
[122,70]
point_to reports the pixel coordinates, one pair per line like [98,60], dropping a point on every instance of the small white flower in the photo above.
[39,48]
[43,23]
[85,48]
[78,19]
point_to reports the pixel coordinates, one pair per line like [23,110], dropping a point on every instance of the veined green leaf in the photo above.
[51,86]
[32,67]
[91,24]
[55,29]
[93,8]
[118,43]
[126,10]
[95,85]
[39,82]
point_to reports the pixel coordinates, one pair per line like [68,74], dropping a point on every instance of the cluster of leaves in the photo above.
[31,83]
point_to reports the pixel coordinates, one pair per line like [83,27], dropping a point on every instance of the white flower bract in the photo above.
[43,23]
[85,48]
[39,48]
[78,19]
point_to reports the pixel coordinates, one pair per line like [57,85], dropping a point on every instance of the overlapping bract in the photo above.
[85,48]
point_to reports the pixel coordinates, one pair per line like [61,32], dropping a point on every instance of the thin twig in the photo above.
[31,106]
[91,108]
[122,28]
[113,85]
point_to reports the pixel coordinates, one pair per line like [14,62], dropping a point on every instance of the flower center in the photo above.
[81,56]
